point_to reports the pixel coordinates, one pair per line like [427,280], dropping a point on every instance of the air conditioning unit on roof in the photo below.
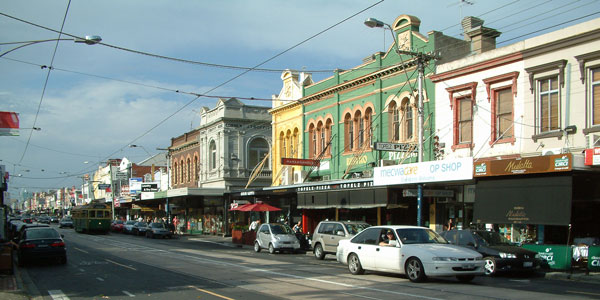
[299,176]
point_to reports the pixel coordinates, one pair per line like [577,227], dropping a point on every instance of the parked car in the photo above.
[329,233]
[117,225]
[65,222]
[128,226]
[417,252]
[139,228]
[276,237]
[43,219]
[54,219]
[40,243]
[498,253]
[158,229]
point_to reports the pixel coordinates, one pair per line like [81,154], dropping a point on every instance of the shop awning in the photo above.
[357,198]
[537,200]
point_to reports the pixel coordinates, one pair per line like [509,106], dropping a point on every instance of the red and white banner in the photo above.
[9,123]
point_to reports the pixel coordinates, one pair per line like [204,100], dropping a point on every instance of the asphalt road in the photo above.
[117,266]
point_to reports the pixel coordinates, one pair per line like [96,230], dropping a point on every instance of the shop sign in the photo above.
[397,147]
[149,187]
[299,162]
[356,160]
[431,171]
[428,193]
[337,186]
[135,185]
[594,258]
[528,165]
[556,257]
[592,157]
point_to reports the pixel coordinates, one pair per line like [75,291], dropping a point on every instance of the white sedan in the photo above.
[417,252]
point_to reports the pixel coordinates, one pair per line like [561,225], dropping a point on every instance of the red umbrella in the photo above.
[257,207]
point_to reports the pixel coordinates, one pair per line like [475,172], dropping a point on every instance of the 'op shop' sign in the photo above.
[431,171]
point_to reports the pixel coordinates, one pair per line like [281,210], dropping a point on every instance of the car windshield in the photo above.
[157,225]
[281,229]
[142,224]
[355,228]
[420,236]
[42,234]
[491,238]
[129,222]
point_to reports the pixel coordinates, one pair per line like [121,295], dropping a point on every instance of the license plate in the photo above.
[42,246]
[527,264]
[469,266]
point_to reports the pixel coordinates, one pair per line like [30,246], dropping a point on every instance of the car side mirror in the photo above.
[340,233]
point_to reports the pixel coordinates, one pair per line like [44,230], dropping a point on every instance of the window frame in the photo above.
[456,93]
[493,85]
[587,63]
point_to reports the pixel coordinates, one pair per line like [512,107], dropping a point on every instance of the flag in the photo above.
[9,123]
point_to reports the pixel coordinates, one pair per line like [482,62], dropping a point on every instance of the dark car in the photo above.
[498,252]
[65,222]
[139,228]
[40,243]
[54,219]
[158,229]
[43,219]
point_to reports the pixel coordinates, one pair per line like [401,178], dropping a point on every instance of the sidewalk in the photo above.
[11,286]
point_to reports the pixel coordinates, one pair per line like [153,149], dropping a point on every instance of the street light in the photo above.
[88,39]
[140,146]
[421,59]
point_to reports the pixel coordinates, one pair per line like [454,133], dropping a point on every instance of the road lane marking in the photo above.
[209,292]
[216,261]
[122,265]
[99,278]
[57,295]
[584,293]
[128,294]
[81,250]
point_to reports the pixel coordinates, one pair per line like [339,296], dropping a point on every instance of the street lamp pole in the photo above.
[88,39]
[422,58]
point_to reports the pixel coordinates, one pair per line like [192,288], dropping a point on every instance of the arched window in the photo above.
[289,143]
[320,138]
[212,150]
[257,150]
[282,142]
[360,124]
[328,125]
[189,170]
[311,140]
[294,144]
[196,177]
[175,173]
[407,120]
[348,133]
[368,127]
[182,167]
[394,117]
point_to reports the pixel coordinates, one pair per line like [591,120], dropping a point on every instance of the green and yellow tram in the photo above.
[94,217]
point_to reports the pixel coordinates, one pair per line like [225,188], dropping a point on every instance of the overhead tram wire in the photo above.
[37,113]
[247,71]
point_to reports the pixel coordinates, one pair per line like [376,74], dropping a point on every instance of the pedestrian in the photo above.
[176,224]
[450,224]
[298,227]
[254,225]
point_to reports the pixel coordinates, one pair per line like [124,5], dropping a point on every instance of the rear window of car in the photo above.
[326,228]
[157,225]
[41,234]
[354,228]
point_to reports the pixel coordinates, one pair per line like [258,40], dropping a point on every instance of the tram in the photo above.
[93,217]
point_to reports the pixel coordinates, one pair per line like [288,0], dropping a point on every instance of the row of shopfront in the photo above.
[540,200]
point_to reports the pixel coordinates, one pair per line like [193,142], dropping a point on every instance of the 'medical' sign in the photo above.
[431,171]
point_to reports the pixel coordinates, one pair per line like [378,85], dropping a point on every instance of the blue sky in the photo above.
[99,99]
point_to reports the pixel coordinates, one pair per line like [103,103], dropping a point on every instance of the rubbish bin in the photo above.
[6,258]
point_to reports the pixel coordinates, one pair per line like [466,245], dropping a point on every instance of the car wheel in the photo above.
[271,249]
[465,278]
[319,253]
[414,270]
[490,266]
[256,247]
[354,265]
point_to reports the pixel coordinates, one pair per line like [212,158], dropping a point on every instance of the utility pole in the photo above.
[422,59]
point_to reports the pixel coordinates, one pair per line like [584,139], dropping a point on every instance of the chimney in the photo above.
[482,38]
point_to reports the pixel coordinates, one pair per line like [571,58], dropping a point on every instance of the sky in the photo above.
[96,100]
